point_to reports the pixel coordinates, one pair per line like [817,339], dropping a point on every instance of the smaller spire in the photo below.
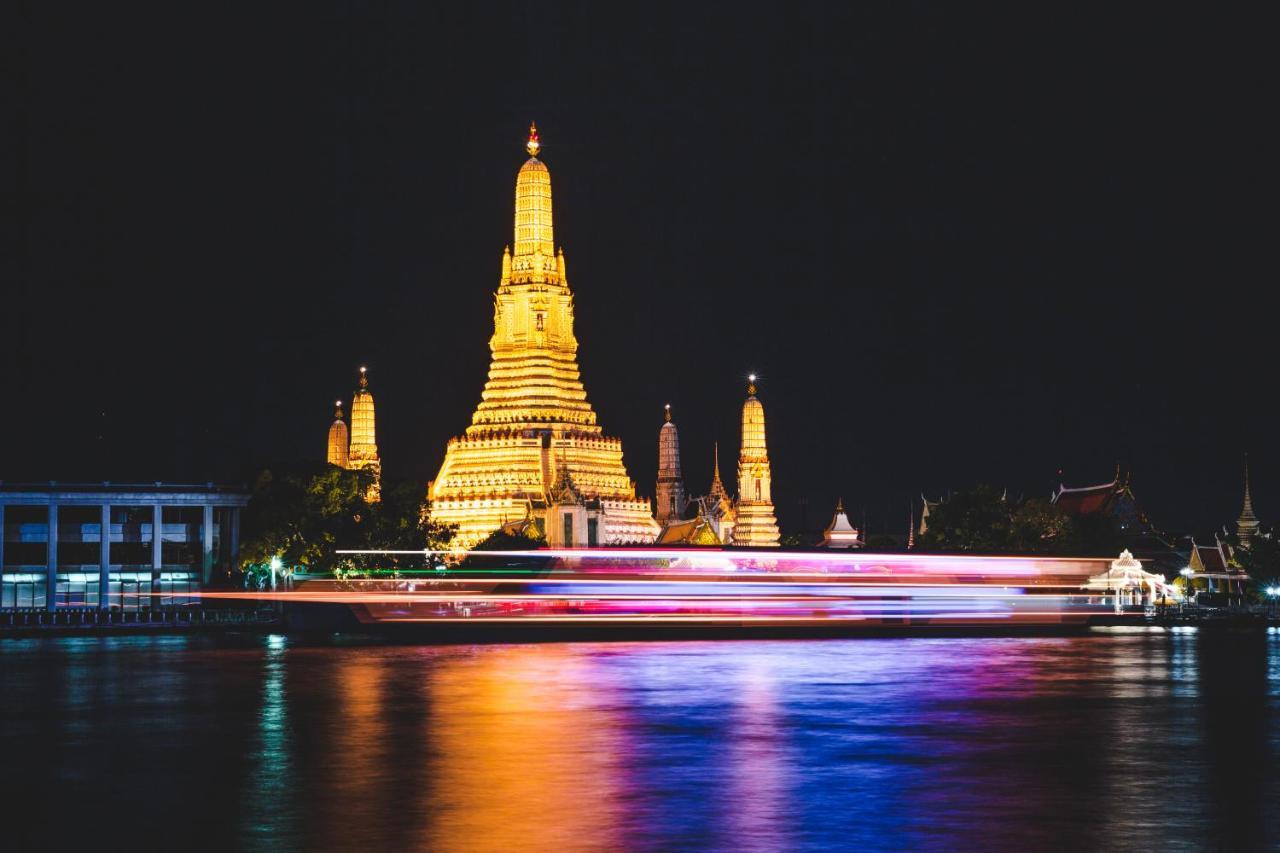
[364,377]
[533,146]
[1248,499]
[840,505]
[751,384]
[337,409]
[668,412]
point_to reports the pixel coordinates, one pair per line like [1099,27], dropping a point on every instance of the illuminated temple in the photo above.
[534,451]
[357,448]
[755,524]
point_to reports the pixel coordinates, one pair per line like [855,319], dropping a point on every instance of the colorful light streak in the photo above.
[638,586]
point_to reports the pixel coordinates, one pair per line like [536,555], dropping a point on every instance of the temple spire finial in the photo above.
[337,409]
[668,412]
[1247,524]
[1248,500]
[751,384]
[364,377]
[533,146]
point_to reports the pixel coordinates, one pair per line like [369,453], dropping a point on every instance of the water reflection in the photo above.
[530,751]
[266,818]
[1115,740]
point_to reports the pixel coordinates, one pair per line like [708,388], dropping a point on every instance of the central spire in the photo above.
[534,234]
[534,418]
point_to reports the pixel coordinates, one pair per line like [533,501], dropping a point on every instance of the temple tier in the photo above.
[534,451]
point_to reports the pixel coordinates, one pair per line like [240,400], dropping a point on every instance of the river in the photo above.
[1127,740]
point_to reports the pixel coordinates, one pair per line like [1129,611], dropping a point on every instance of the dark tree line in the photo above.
[985,521]
[303,514]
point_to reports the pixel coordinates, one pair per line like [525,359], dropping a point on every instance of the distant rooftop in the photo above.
[112,486]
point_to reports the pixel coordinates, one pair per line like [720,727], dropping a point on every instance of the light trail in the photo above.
[663,586]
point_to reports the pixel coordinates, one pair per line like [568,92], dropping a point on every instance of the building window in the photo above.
[568,528]
[593,532]
[757,488]
[539,321]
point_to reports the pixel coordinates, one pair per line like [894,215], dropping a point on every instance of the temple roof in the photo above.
[1211,558]
[694,531]
[1087,499]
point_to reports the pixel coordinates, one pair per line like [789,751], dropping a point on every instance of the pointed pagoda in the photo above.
[533,411]
[669,493]
[338,438]
[755,524]
[1247,524]
[363,451]
[716,507]
[840,533]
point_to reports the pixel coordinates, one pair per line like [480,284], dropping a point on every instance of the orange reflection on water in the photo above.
[524,743]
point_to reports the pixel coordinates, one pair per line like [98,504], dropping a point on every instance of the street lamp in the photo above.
[1187,573]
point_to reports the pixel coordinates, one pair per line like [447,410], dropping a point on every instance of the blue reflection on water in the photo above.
[1115,740]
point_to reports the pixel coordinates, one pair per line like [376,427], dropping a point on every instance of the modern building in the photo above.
[534,442]
[755,524]
[162,542]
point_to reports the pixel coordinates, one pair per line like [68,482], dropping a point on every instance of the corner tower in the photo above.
[755,524]
[533,420]
[669,493]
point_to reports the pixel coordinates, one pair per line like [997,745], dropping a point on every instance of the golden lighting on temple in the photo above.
[357,448]
[534,451]
[755,522]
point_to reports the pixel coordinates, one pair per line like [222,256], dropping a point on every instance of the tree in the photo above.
[1094,533]
[500,540]
[978,520]
[400,521]
[1040,527]
[882,544]
[1261,559]
[305,513]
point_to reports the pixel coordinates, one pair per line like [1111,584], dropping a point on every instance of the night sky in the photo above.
[958,247]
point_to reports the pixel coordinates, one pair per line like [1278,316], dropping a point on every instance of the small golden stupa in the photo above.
[338,438]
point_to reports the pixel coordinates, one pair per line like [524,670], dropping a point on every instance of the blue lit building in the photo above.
[161,543]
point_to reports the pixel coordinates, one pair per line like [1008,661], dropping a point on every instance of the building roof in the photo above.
[1087,499]
[694,531]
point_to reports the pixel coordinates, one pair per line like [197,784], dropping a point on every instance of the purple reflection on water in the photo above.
[1113,740]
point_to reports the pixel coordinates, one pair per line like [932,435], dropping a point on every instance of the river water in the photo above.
[1114,740]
